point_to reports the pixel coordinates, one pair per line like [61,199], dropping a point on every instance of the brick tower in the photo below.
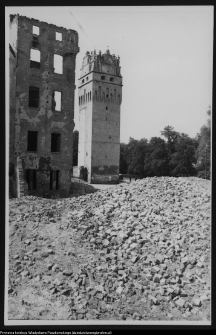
[100,94]
[42,84]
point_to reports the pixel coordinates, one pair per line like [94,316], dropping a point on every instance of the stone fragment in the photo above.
[196,302]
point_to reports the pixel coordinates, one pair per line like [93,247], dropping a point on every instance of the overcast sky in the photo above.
[165,57]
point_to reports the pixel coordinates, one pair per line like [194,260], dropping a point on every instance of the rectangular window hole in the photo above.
[35,42]
[58,36]
[31,179]
[32,141]
[106,108]
[36,30]
[55,142]
[54,179]
[58,64]
[35,59]
[33,96]
[57,101]
[103,77]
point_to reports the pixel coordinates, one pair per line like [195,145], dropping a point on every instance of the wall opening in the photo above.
[106,108]
[111,79]
[90,96]
[35,42]
[57,101]
[103,77]
[35,30]
[55,142]
[58,64]
[32,141]
[31,179]
[35,59]
[58,36]
[54,179]
[33,96]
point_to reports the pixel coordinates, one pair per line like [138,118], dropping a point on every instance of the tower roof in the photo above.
[104,63]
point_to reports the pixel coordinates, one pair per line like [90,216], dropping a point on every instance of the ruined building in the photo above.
[100,94]
[42,84]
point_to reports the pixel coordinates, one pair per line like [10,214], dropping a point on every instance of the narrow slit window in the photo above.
[58,36]
[35,59]
[57,101]
[90,96]
[58,64]
[33,96]
[55,142]
[32,141]
[36,30]
[31,179]
[54,179]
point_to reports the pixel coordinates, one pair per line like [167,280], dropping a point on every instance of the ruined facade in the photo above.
[100,94]
[42,84]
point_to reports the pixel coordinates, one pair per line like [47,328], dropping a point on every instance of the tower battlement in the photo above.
[105,63]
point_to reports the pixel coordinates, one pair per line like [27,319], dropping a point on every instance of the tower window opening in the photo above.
[111,79]
[58,64]
[79,100]
[32,141]
[55,142]
[83,81]
[31,179]
[58,36]
[35,30]
[86,78]
[33,96]
[106,108]
[90,96]
[54,179]
[57,101]
[103,77]
[86,97]
[35,59]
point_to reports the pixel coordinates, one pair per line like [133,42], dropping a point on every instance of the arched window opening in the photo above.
[111,79]
[111,97]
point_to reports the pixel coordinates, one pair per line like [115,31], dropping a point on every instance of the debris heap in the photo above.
[138,251]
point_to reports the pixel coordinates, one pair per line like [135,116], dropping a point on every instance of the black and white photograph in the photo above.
[108,165]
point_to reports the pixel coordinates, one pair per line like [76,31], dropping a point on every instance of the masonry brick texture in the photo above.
[45,118]
[100,95]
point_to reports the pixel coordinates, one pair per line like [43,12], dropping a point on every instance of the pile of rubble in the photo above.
[138,251]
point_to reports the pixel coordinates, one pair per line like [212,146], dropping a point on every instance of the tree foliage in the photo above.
[203,157]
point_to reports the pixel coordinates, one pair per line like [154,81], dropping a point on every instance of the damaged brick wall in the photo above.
[35,110]
[100,94]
